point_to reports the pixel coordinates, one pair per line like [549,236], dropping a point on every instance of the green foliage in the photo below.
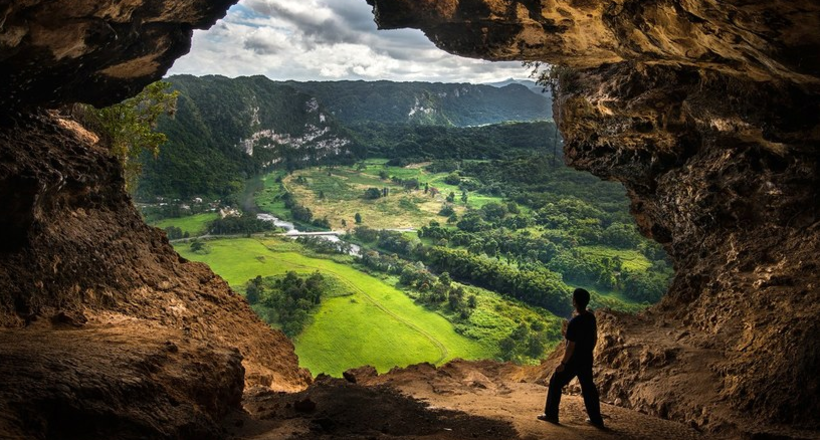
[239,225]
[538,287]
[206,155]
[175,233]
[287,300]
[405,144]
[356,102]
[354,304]
[130,127]
[372,193]
[199,247]
[190,225]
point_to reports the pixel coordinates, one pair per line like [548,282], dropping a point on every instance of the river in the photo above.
[291,231]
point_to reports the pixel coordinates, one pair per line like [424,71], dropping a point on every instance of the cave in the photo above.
[707,112]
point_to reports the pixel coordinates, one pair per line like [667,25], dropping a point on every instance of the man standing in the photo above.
[581,335]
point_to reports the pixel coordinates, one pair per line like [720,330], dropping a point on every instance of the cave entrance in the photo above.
[365,191]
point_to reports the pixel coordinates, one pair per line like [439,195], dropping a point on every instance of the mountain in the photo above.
[226,130]
[460,105]
[530,84]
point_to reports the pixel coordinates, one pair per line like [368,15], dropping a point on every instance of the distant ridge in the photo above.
[228,129]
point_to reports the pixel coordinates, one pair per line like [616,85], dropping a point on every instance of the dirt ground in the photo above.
[455,402]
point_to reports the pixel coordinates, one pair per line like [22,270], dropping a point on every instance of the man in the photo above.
[581,335]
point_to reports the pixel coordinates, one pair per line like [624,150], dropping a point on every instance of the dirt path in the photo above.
[421,409]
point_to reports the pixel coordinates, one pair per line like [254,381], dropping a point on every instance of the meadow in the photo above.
[336,193]
[194,225]
[376,324]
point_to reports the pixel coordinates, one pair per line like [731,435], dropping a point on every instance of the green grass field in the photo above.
[632,259]
[377,325]
[342,188]
[194,225]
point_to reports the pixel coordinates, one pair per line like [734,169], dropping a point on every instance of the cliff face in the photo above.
[708,113]
[97,52]
[106,332]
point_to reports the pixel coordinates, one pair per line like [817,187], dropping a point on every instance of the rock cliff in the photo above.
[708,113]
[105,332]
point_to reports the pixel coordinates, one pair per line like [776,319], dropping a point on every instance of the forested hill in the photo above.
[461,105]
[226,130]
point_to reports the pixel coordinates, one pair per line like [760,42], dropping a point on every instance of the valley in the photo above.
[469,232]
[393,295]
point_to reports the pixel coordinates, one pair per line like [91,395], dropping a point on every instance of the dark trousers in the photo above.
[559,380]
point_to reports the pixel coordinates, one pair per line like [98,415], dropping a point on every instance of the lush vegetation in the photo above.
[286,301]
[361,318]
[245,224]
[226,131]
[192,225]
[129,128]
[472,238]
[208,140]
[408,144]
[525,226]
[418,103]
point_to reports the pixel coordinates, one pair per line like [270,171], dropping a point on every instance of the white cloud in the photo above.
[324,40]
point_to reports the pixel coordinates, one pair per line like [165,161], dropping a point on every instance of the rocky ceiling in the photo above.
[707,111]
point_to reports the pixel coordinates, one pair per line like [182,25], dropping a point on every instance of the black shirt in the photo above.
[582,330]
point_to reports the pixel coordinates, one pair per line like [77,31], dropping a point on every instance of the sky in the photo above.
[326,40]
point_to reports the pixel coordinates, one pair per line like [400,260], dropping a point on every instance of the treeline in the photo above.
[405,144]
[538,287]
[233,225]
[541,288]
[288,300]
[549,211]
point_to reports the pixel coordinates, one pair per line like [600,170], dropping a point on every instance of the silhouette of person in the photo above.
[581,335]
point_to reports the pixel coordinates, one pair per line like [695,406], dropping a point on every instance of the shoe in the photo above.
[599,425]
[546,418]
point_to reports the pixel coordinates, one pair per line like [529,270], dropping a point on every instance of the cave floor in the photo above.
[478,409]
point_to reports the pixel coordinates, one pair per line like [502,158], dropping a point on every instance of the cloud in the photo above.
[326,39]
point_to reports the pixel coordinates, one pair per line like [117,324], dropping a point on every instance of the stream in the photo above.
[291,231]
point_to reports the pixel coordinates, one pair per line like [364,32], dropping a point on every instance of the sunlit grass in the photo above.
[194,225]
[377,325]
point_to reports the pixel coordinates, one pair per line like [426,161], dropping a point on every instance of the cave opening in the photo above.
[398,158]
[706,113]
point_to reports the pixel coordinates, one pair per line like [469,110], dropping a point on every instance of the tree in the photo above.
[451,197]
[464,197]
[358,218]
[372,193]
[445,279]
[254,290]
[128,127]
[198,247]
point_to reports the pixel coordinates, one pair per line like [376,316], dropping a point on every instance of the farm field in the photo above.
[364,328]
[336,193]
[194,225]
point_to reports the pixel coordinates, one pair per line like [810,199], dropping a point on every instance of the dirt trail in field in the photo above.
[462,400]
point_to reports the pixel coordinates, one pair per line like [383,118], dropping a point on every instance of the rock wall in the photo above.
[709,114]
[105,332]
